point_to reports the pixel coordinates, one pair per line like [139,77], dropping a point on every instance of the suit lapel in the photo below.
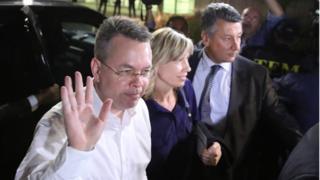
[239,83]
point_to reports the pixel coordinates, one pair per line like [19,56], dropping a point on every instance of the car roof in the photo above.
[36,3]
[58,9]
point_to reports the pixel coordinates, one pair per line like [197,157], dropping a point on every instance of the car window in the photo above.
[60,38]
[23,68]
[70,46]
[76,26]
[80,31]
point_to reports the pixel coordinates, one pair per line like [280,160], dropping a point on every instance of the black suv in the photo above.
[44,41]
[40,43]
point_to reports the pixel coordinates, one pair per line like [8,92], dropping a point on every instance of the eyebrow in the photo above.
[131,67]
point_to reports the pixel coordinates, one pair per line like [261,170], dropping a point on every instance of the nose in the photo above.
[137,80]
[186,65]
[236,43]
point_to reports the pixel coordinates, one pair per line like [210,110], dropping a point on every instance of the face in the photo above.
[223,45]
[179,26]
[125,54]
[174,73]
[251,21]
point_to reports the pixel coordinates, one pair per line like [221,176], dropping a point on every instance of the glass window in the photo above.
[178,6]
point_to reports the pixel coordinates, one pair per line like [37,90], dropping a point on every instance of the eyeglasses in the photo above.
[129,73]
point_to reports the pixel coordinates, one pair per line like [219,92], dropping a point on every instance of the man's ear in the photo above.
[205,38]
[95,68]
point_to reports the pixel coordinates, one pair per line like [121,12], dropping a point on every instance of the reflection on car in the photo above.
[40,43]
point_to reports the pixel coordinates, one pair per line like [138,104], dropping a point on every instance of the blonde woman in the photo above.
[172,107]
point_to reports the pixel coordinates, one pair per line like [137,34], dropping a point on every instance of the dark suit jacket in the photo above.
[16,131]
[254,116]
[303,162]
[16,109]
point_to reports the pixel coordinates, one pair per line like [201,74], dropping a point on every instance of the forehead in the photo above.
[251,12]
[126,51]
[228,28]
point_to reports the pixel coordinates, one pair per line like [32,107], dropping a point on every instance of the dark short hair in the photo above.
[215,11]
[178,18]
[118,25]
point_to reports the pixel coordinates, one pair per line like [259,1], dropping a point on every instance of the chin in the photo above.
[181,84]
[229,60]
[232,58]
[132,103]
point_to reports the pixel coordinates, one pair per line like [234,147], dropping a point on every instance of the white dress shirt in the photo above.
[122,152]
[220,91]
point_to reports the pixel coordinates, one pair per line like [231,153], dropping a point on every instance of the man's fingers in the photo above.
[79,89]
[215,151]
[215,148]
[66,108]
[211,156]
[205,157]
[89,90]
[72,99]
[105,109]
[68,84]
[65,99]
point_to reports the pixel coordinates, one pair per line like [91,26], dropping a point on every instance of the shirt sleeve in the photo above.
[33,101]
[272,21]
[49,157]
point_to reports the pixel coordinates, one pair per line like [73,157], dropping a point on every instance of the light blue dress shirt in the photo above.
[220,91]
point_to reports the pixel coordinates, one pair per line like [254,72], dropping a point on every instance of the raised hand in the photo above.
[83,127]
[212,155]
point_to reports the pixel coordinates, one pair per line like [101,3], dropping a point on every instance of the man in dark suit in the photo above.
[244,110]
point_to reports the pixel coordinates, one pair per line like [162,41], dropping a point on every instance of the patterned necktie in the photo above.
[205,108]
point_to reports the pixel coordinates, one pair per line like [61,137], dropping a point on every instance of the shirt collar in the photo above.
[206,63]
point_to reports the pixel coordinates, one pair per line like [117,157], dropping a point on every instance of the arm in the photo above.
[211,149]
[277,116]
[63,141]
[49,157]
[16,109]
[209,154]
[26,106]
[274,7]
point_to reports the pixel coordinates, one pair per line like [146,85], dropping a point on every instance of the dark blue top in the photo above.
[171,135]
[260,37]
[300,92]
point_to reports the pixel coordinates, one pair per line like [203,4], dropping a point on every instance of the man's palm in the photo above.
[83,127]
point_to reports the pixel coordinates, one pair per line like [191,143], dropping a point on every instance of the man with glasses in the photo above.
[101,131]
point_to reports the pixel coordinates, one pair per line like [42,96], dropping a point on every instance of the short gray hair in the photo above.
[114,26]
[215,11]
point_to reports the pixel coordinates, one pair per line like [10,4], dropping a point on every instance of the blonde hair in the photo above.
[167,45]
